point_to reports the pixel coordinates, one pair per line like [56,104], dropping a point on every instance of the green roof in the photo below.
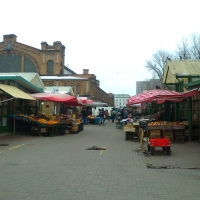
[28,80]
[177,70]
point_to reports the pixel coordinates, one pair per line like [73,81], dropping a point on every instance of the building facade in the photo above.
[49,61]
[151,84]
[120,100]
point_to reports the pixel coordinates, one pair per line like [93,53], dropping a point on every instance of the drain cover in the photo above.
[96,148]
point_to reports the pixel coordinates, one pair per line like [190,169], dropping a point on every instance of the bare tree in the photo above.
[184,49]
[157,65]
[195,46]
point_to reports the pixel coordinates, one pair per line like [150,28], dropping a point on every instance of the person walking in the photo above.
[107,115]
[125,114]
[84,116]
[113,114]
[119,116]
[122,114]
[101,115]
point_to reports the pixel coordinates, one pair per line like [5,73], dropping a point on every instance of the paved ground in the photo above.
[60,168]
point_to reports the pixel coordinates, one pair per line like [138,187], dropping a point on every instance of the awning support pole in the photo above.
[14,114]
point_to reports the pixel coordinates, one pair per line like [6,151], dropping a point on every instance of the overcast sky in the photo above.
[111,38]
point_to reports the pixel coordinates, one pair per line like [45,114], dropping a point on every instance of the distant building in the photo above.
[151,84]
[120,100]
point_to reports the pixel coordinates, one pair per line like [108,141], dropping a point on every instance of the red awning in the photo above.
[62,98]
[191,93]
[160,96]
[57,97]
[85,100]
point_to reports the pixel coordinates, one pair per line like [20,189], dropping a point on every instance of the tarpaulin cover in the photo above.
[160,96]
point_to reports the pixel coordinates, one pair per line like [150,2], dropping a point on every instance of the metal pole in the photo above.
[14,114]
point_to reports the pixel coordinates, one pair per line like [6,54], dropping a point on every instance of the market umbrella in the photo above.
[96,104]
[56,97]
[84,100]
[160,96]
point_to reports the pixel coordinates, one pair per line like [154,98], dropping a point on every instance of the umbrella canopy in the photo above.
[56,97]
[84,100]
[96,104]
[160,96]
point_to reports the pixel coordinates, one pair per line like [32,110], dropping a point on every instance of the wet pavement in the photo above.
[60,168]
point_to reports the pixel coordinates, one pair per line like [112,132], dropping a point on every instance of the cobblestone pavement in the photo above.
[60,168]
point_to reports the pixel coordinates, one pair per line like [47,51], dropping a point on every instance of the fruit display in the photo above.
[47,122]
[47,119]
[166,125]
[90,117]
[129,128]
[78,121]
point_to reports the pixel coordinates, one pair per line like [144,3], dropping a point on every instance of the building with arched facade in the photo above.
[49,61]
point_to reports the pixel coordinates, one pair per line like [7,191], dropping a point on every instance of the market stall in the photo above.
[160,97]
[169,130]
[49,124]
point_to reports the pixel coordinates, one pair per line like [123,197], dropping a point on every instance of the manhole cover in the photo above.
[4,144]
[96,148]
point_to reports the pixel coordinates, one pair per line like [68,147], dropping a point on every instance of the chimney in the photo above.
[44,45]
[10,38]
[85,71]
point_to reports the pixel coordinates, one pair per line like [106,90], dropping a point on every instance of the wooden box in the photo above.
[154,127]
[154,134]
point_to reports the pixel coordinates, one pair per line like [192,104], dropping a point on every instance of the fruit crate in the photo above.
[178,127]
[167,127]
[154,127]
[119,125]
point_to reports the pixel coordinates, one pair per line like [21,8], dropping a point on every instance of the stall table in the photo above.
[47,129]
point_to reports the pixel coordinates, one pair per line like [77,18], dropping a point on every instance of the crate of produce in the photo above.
[143,123]
[154,134]
[178,127]
[119,125]
[167,127]
[154,127]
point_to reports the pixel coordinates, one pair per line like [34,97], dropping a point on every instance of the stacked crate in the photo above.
[168,132]
[154,131]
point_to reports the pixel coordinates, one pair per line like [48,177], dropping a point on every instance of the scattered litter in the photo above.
[169,167]
[143,151]
[96,148]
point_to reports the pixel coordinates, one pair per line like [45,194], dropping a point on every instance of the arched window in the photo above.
[28,65]
[78,89]
[10,62]
[50,66]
